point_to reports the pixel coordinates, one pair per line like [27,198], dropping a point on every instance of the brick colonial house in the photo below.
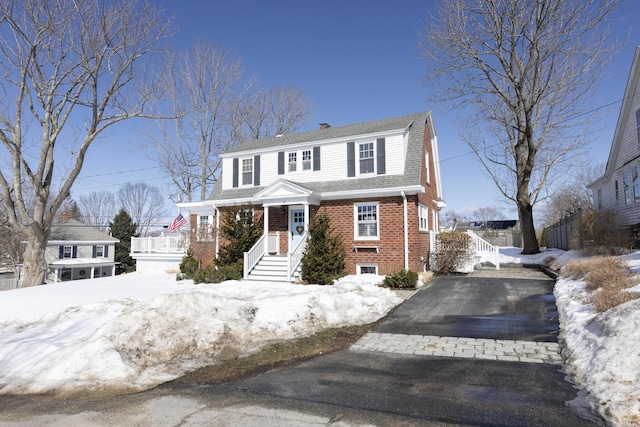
[378,181]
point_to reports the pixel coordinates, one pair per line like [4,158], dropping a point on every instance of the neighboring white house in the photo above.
[619,188]
[77,251]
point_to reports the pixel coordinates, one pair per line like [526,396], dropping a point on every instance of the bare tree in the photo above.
[265,113]
[487,214]
[214,109]
[573,195]
[521,72]
[144,203]
[98,207]
[450,218]
[202,85]
[69,72]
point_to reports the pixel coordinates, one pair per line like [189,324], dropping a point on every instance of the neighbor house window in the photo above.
[638,124]
[67,252]
[99,251]
[367,225]
[293,158]
[366,157]
[626,184]
[423,218]
[247,171]
[617,191]
[306,160]
[367,269]
[636,183]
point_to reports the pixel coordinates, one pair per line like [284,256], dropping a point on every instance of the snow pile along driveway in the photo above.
[602,350]
[136,331]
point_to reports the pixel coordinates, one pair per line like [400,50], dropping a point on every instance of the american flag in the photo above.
[177,223]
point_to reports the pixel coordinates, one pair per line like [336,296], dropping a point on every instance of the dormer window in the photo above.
[306,160]
[247,171]
[293,159]
[366,157]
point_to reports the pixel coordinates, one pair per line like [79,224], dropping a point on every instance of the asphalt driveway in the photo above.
[514,310]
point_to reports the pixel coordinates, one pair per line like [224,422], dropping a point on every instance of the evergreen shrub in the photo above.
[323,260]
[403,279]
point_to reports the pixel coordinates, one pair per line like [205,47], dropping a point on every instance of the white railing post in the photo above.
[295,257]
[253,256]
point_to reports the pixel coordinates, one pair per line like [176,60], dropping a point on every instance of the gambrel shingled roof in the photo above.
[415,123]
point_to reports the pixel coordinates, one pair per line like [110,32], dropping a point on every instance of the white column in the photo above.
[92,271]
[265,221]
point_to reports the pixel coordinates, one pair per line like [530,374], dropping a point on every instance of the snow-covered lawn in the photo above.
[135,331]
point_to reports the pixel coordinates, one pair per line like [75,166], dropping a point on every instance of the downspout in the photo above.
[406,231]
[217,214]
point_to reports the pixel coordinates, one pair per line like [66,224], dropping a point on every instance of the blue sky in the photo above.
[358,61]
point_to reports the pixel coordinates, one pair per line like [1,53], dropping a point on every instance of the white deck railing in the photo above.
[485,250]
[295,257]
[164,244]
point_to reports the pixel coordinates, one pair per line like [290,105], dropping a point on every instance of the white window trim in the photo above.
[307,165]
[356,236]
[360,143]
[64,252]
[204,229]
[359,266]
[97,248]
[423,218]
[242,172]
[299,165]
[292,166]
[427,168]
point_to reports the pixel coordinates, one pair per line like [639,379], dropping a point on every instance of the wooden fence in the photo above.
[567,233]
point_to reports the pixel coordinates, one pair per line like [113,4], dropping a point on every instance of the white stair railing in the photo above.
[485,250]
[253,256]
[294,258]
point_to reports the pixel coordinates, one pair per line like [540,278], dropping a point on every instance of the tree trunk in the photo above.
[35,265]
[529,239]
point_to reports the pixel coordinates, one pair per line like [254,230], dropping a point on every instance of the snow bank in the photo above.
[601,351]
[136,331]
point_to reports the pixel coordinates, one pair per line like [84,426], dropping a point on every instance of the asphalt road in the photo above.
[369,387]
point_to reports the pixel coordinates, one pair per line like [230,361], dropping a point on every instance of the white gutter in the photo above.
[406,231]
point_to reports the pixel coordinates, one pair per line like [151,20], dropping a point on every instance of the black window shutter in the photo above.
[316,158]
[61,255]
[256,170]
[235,172]
[351,159]
[75,252]
[94,251]
[280,162]
[381,156]
[106,251]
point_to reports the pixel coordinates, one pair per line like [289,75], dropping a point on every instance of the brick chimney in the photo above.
[65,216]
[325,125]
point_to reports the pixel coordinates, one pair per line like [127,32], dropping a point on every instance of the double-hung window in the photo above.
[306,160]
[366,157]
[626,184]
[293,161]
[99,251]
[638,124]
[423,218]
[247,171]
[367,224]
[67,252]
[635,180]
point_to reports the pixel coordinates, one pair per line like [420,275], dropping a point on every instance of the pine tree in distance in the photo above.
[323,260]
[124,229]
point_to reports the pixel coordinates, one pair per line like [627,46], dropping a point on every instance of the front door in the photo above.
[296,225]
